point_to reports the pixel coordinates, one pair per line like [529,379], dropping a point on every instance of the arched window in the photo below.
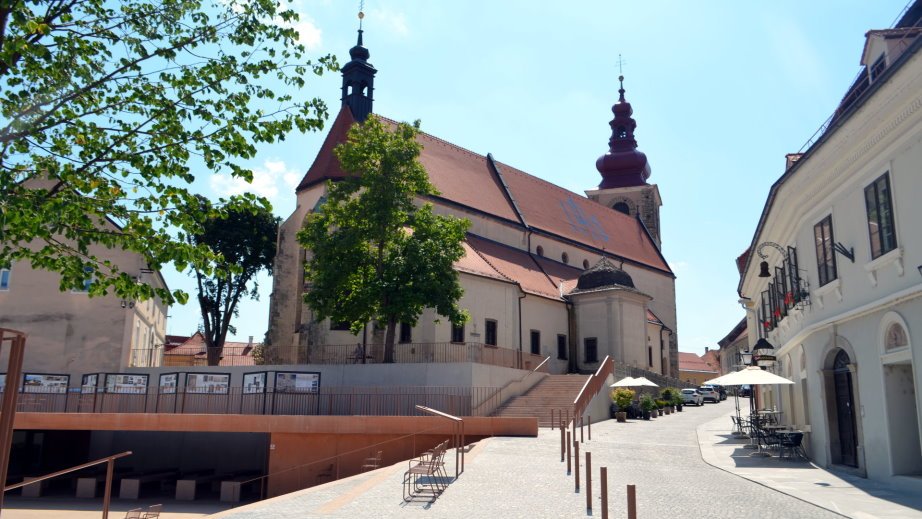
[585,264]
[539,250]
[565,257]
[896,337]
[622,207]
[622,132]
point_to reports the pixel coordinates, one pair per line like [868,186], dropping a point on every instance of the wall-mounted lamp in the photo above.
[848,253]
[920,269]
[763,267]
[127,304]
[746,357]
[763,353]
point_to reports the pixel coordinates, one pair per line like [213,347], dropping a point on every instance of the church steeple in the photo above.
[359,80]
[623,165]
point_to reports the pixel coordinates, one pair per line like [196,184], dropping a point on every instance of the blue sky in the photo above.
[721,91]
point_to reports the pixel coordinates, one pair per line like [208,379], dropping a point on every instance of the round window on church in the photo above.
[539,250]
[622,207]
[565,257]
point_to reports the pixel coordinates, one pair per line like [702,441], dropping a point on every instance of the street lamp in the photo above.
[746,357]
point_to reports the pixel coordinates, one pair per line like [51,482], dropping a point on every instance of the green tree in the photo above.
[244,243]
[107,108]
[377,253]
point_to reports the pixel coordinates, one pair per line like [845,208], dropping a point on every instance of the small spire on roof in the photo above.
[621,63]
[361,17]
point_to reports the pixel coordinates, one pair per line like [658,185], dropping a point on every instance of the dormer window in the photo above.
[879,65]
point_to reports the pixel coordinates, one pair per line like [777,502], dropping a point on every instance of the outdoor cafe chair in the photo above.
[153,512]
[792,442]
[134,513]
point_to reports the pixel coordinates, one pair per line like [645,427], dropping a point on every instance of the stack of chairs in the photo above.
[426,475]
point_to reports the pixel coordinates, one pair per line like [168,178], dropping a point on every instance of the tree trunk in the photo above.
[389,341]
[213,355]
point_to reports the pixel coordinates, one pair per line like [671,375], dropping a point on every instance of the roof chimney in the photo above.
[705,349]
[250,343]
[790,159]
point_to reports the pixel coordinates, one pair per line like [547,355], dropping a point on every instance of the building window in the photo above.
[585,264]
[650,356]
[490,332]
[880,216]
[591,345]
[457,332]
[4,278]
[622,207]
[539,250]
[825,256]
[565,258]
[562,347]
[406,333]
[879,65]
[536,342]
[339,326]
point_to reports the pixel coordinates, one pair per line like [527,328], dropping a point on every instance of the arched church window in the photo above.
[565,257]
[840,364]
[585,264]
[896,337]
[539,251]
[622,207]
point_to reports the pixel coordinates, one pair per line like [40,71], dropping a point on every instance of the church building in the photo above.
[546,271]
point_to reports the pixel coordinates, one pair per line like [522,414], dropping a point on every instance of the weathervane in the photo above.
[621,63]
[361,12]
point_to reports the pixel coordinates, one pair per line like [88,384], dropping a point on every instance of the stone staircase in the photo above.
[554,392]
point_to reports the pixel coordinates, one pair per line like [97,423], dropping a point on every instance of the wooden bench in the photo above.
[130,485]
[231,489]
[187,487]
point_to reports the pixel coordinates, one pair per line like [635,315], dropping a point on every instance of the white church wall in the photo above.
[550,319]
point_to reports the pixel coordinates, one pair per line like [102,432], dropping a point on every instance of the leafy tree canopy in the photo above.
[245,243]
[376,252]
[108,108]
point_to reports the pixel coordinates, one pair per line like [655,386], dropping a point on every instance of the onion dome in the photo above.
[604,274]
[623,165]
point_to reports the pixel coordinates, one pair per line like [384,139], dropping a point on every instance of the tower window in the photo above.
[539,250]
[622,132]
[565,258]
[622,207]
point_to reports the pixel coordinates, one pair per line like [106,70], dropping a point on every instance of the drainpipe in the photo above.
[522,295]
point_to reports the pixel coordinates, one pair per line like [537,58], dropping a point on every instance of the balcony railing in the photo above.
[404,353]
[327,401]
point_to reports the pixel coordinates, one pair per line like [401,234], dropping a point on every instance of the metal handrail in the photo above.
[107,497]
[458,446]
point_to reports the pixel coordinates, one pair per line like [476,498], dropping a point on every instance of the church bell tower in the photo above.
[625,171]
[359,80]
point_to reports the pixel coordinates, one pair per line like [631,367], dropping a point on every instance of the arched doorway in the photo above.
[847,426]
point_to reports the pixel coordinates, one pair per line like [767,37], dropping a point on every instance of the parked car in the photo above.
[709,394]
[722,391]
[745,391]
[692,396]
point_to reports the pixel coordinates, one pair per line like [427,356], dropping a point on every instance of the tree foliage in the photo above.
[375,253]
[244,242]
[108,107]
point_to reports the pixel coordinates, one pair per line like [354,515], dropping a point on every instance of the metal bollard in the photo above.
[569,463]
[590,427]
[563,441]
[589,482]
[603,477]
[576,464]
[631,502]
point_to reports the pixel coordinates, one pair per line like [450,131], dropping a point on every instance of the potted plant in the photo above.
[622,397]
[677,400]
[647,405]
[660,404]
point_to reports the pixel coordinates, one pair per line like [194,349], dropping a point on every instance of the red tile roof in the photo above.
[711,358]
[234,353]
[652,318]
[519,266]
[692,362]
[466,178]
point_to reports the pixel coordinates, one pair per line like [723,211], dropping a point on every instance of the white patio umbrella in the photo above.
[751,375]
[625,382]
[642,381]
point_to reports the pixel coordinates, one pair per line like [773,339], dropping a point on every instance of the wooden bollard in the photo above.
[576,464]
[563,442]
[631,502]
[590,427]
[573,426]
[569,463]
[588,481]
[581,429]
[603,477]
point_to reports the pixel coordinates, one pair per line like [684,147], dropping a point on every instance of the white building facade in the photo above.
[841,300]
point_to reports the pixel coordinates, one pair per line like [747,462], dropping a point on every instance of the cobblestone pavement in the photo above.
[523,477]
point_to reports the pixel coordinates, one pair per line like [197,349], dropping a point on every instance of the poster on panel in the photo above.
[45,383]
[168,383]
[254,383]
[89,383]
[215,383]
[125,383]
[297,382]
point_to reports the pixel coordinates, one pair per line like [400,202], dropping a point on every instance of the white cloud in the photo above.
[309,34]
[394,22]
[265,183]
